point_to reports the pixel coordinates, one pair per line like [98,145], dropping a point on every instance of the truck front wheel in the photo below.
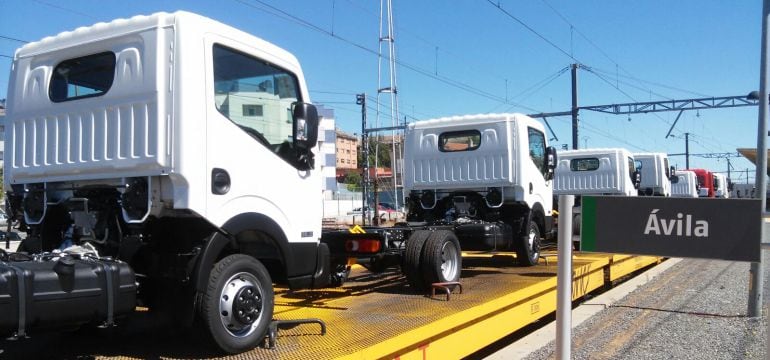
[528,251]
[238,305]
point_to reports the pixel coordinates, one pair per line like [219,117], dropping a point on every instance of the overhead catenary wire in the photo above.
[532,30]
[571,56]
[601,77]
[13,39]
[534,88]
[669,87]
[370,101]
[602,133]
[541,85]
[449,81]
[55,6]
[433,45]
[608,57]
[589,69]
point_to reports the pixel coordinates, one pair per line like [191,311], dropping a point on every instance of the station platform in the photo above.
[681,309]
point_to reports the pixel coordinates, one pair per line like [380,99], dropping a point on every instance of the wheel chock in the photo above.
[445,287]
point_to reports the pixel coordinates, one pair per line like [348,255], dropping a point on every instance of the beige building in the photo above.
[347,151]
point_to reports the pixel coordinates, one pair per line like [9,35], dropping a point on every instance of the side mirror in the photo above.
[637,179]
[305,133]
[550,162]
[672,174]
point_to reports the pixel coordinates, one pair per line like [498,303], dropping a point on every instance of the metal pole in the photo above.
[361,100]
[574,107]
[687,150]
[756,280]
[564,279]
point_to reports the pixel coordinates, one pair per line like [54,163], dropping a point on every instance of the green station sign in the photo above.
[725,229]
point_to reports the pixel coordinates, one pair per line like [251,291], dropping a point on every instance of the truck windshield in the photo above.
[255,95]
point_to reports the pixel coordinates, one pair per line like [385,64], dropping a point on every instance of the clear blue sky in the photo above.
[637,51]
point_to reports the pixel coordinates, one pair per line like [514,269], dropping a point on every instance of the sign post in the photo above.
[564,279]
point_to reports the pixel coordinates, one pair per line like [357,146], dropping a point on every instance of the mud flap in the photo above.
[322,274]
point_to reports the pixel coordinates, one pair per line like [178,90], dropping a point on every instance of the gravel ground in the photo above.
[695,310]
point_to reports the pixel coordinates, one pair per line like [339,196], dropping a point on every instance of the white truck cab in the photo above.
[656,174]
[179,145]
[684,184]
[721,186]
[596,172]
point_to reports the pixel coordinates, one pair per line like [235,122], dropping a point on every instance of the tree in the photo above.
[353,181]
[382,156]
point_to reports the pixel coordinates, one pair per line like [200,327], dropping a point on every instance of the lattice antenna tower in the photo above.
[387,94]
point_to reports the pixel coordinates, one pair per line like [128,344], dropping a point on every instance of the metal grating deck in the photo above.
[371,317]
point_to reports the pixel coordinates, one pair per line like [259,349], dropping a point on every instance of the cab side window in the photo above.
[257,96]
[537,149]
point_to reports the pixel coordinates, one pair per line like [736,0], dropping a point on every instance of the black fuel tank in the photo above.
[66,292]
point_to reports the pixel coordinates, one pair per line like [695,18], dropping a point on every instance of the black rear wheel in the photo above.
[412,257]
[441,258]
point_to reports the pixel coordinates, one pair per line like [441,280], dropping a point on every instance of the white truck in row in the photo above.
[596,172]
[685,184]
[610,171]
[656,174]
[168,160]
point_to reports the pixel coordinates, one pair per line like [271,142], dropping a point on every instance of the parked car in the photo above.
[381,208]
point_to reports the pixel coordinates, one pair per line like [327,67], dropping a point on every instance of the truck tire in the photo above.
[528,251]
[238,304]
[576,224]
[576,231]
[441,258]
[412,256]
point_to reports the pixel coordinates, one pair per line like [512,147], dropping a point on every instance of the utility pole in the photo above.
[574,68]
[387,38]
[756,276]
[361,100]
[687,149]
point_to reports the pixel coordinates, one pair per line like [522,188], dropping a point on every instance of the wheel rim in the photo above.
[240,304]
[449,256]
[534,243]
